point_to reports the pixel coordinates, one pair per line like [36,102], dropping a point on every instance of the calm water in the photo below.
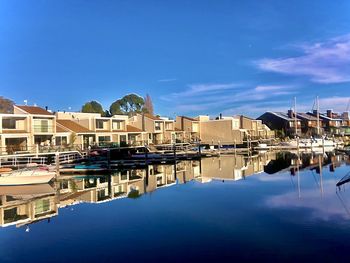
[263,208]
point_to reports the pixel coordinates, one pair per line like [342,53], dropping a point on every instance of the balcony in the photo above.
[43,128]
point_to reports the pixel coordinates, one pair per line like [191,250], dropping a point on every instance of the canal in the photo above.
[268,207]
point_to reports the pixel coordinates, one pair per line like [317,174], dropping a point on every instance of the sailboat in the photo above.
[321,141]
[314,143]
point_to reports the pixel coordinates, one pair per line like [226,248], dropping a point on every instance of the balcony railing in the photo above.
[43,128]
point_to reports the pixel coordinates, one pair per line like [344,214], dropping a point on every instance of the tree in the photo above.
[128,104]
[148,107]
[6,105]
[92,107]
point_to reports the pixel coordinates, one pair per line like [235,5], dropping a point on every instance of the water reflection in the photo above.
[25,205]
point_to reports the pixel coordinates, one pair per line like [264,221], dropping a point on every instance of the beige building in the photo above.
[221,131]
[188,129]
[255,128]
[27,127]
[159,130]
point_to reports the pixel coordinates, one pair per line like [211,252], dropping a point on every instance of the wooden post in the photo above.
[298,145]
[323,145]
[36,150]
[146,155]
[174,151]
[235,147]
[199,149]
[109,159]
[57,162]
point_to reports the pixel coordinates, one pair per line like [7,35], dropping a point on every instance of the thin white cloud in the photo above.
[334,103]
[216,97]
[167,80]
[326,62]
[201,90]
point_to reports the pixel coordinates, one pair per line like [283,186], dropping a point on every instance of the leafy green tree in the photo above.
[128,104]
[6,105]
[92,107]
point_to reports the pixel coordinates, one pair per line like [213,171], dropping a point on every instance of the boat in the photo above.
[26,190]
[27,176]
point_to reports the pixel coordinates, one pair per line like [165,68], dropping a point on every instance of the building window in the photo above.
[157,126]
[42,206]
[117,125]
[104,138]
[42,125]
[8,124]
[99,124]
[61,140]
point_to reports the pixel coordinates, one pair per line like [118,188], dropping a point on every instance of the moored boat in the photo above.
[38,175]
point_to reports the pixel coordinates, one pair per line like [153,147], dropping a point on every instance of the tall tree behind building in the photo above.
[148,107]
[129,104]
[6,105]
[92,107]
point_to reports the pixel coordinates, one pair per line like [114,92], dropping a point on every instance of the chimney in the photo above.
[329,113]
[290,113]
[241,122]
[46,108]
[220,116]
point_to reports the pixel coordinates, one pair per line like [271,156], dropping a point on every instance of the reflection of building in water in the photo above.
[188,171]
[32,206]
[233,167]
[23,209]
[286,161]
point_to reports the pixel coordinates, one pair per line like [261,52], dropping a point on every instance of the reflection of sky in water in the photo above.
[321,200]
[247,215]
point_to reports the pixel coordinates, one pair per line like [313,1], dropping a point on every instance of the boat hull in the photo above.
[26,180]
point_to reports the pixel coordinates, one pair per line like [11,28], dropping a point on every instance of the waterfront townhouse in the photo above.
[25,209]
[346,123]
[93,129]
[187,129]
[255,128]
[27,127]
[309,124]
[233,169]
[159,130]
[284,123]
[331,122]
[221,131]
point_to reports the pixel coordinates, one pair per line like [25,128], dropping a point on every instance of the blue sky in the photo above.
[192,57]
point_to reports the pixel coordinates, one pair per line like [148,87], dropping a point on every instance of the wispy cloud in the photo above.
[200,90]
[326,62]
[218,97]
[167,80]
[335,103]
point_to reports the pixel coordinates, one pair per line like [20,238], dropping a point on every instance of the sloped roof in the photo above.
[34,110]
[282,115]
[325,117]
[61,129]
[150,116]
[130,128]
[73,126]
[188,118]
[306,116]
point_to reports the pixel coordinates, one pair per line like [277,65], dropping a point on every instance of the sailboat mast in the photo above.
[295,116]
[318,116]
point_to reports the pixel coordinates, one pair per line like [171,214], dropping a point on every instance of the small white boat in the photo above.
[37,175]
